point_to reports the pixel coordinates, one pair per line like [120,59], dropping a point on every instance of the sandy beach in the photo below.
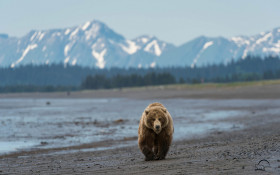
[252,90]
[228,152]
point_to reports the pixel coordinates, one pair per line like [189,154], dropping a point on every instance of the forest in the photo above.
[134,80]
[65,77]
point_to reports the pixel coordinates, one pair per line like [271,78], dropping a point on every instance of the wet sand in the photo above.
[235,152]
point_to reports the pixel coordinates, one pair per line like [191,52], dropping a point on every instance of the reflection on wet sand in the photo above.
[30,124]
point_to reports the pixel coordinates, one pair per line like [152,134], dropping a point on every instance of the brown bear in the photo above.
[155,132]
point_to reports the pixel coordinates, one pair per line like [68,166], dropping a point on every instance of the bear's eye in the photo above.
[159,119]
[153,119]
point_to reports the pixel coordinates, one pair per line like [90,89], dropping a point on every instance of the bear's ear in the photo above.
[164,110]
[147,111]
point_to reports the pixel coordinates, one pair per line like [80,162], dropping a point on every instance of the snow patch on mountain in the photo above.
[85,26]
[155,46]
[205,46]
[265,38]
[92,32]
[33,36]
[67,31]
[74,61]
[66,49]
[245,53]
[272,49]
[37,35]
[240,41]
[131,47]
[141,40]
[41,36]
[153,64]
[100,58]
[66,60]
[74,33]
[208,44]
[25,52]
[144,40]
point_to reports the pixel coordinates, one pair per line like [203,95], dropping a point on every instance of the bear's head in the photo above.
[156,118]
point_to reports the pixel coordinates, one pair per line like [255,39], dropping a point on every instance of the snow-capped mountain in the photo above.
[94,44]
[206,50]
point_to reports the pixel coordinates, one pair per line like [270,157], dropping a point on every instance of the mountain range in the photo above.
[94,44]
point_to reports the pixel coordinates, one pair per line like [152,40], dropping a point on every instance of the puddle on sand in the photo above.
[14,146]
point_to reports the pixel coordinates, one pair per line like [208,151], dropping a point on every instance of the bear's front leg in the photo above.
[155,146]
[164,143]
[146,146]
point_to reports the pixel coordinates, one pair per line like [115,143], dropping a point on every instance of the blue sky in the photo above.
[175,21]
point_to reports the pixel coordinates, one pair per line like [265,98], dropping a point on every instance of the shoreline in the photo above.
[235,152]
[86,147]
[219,152]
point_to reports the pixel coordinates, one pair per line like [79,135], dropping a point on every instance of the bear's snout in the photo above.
[157,126]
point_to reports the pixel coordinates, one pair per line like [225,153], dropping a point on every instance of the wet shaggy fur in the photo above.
[155,132]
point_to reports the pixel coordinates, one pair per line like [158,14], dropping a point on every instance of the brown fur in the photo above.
[155,132]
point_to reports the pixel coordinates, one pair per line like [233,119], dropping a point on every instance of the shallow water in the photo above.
[33,123]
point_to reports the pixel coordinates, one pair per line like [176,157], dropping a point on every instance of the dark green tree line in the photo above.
[119,81]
